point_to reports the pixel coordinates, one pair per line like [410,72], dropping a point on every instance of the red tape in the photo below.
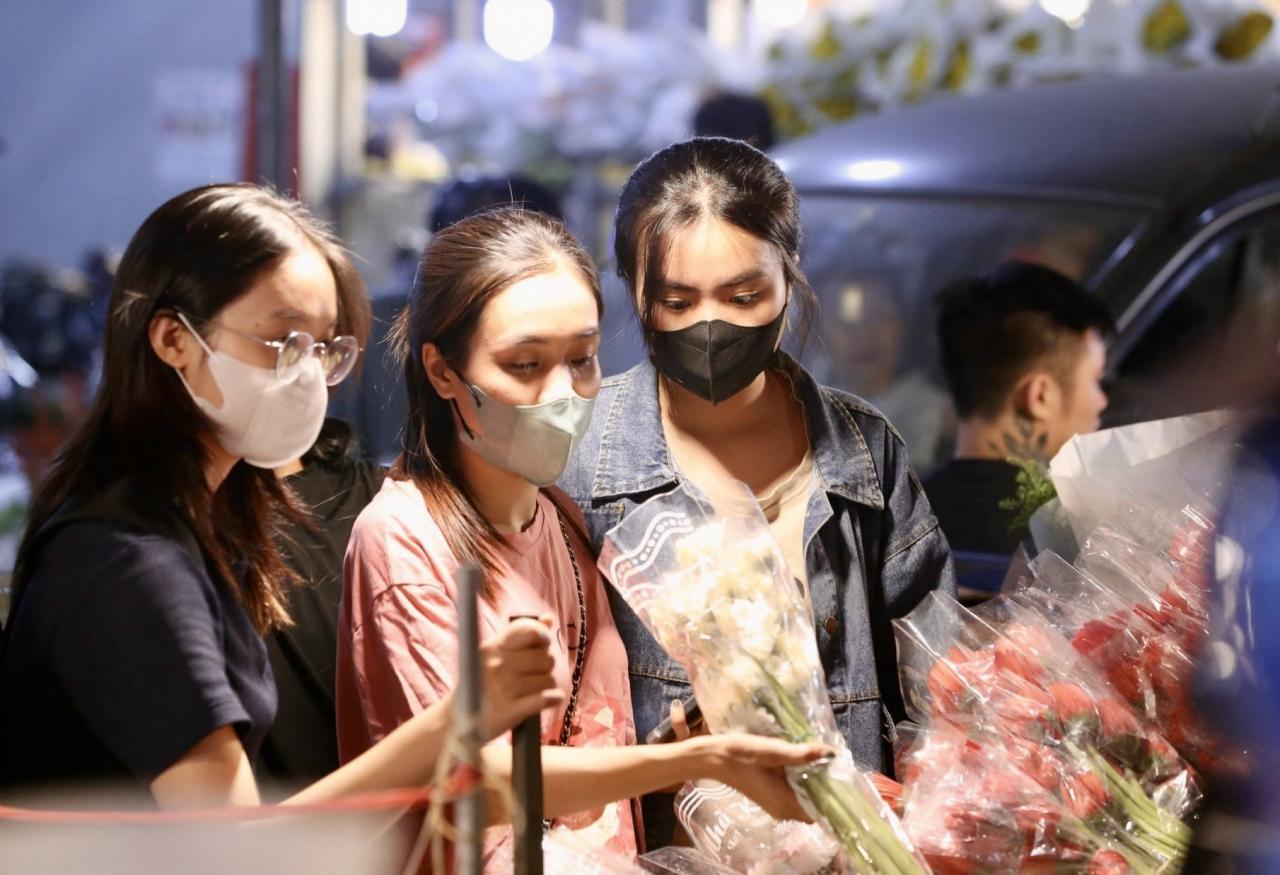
[386,800]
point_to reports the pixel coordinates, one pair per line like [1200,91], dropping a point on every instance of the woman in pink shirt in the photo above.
[500,338]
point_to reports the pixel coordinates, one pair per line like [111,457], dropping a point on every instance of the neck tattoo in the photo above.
[1023,443]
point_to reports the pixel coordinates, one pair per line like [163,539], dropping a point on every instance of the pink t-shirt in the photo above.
[398,637]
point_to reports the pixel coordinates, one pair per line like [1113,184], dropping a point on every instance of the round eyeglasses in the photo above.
[337,357]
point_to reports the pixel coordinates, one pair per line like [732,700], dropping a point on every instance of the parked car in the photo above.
[1160,193]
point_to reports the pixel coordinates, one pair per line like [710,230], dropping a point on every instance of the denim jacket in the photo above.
[873,548]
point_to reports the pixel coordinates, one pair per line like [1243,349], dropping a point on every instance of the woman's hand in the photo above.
[516,675]
[680,722]
[755,766]
[518,678]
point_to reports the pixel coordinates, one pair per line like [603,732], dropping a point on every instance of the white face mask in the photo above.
[264,420]
[532,440]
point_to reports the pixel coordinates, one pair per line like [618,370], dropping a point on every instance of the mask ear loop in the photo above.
[457,411]
[182,317]
[785,316]
[475,398]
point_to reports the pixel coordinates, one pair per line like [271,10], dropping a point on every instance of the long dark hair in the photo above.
[706,177]
[463,268]
[197,253]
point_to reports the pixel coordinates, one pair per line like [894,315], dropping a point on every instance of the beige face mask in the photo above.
[263,419]
[532,440]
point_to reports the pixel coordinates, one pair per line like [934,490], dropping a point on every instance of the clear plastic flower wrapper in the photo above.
[735,832]
[1142,634]
[672,860]
[1009,684]
[712,587]
[1157,483]
[1091,713]
[1134,597]
[564,853]
[973,808]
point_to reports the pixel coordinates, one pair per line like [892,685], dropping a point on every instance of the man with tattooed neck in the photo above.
[1024,352]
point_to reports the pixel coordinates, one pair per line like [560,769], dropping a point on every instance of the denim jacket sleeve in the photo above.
[916,560]
[916,556]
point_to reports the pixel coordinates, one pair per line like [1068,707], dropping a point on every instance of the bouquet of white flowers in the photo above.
[711,585]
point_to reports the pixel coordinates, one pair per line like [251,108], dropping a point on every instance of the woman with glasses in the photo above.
[150,571]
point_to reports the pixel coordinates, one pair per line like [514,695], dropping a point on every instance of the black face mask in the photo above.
[716,359]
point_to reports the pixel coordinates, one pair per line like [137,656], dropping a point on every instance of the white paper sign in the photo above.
[199,123]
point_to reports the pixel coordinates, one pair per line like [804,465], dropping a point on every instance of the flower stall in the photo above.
[1052,728]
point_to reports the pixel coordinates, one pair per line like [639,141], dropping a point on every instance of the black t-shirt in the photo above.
[124,653]
[965,495]
[302,744]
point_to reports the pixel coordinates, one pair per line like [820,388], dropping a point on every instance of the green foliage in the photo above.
[1034,490]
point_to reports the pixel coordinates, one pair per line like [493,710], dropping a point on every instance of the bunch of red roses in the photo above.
[1139,616]
[1025,756]
[973,809]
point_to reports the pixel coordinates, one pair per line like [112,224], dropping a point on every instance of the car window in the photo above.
[877,263]
[1213,330]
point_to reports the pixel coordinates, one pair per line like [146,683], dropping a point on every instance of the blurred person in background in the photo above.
[1238,670]
[743,117]
[53,320]
[1024,352]
[863,330]
[1068,248]
[707,238]
[466,197]
[133,656]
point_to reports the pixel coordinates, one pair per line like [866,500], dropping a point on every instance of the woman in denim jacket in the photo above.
[707,238]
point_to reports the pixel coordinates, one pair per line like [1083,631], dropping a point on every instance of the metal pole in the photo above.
[615,13]
[272,157]
[470,807]
[526,780]
[725,23]
[466,20]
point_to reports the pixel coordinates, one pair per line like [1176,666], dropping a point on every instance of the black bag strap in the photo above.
[568,513]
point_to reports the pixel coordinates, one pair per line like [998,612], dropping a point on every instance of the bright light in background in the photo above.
[376,17]
[874,171]
[519,29]
[1070,11]
[427,110]
[780,13]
